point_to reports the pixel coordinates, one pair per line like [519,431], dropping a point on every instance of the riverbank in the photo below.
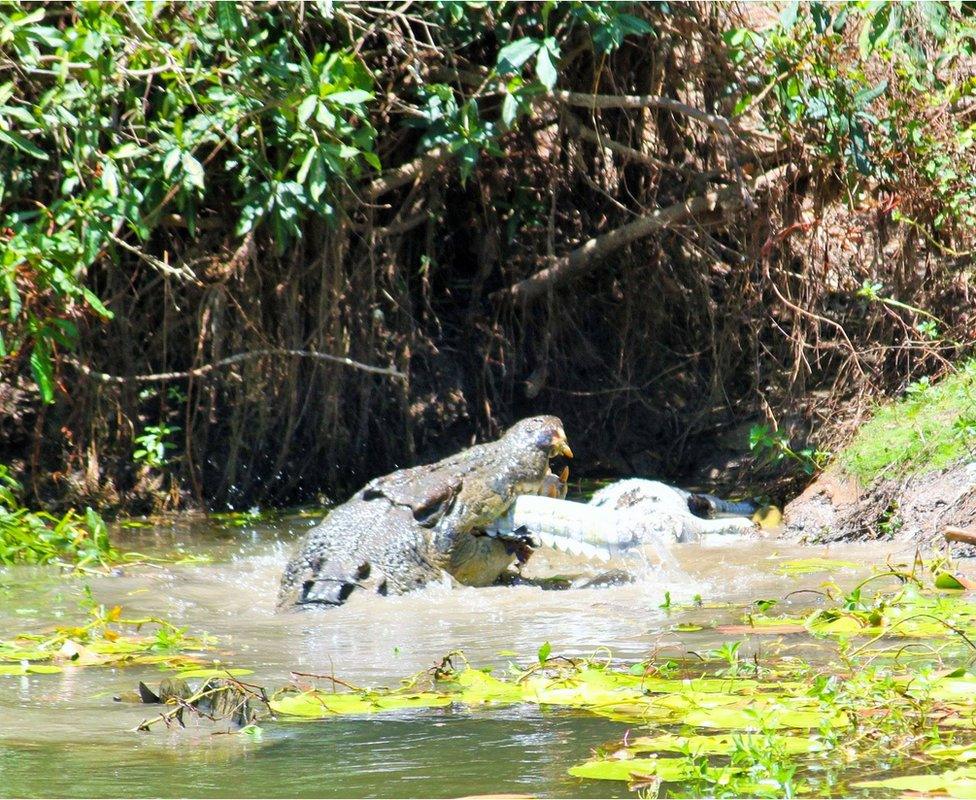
[909,471]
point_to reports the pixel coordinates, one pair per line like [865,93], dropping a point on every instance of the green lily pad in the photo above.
[748,718]
[326,704]
[956,783]
[952,752]
[479,688]
[24,669]
[805,566]
[723,744]
[667,769]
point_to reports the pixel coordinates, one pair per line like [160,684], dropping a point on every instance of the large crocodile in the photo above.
[427,524]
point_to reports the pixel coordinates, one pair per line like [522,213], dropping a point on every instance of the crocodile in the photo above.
[426,524]
[622,516]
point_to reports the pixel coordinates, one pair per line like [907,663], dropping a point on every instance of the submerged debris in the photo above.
[217,699]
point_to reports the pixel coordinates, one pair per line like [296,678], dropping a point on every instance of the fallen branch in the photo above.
[961,535]
[595,101]
[585,257]
[159,377]
[413,170]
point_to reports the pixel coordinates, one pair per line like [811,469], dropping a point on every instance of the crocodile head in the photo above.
[518,463]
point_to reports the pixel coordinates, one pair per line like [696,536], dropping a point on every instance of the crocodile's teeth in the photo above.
[574,547]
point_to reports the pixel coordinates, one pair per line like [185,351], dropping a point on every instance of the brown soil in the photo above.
[917,507]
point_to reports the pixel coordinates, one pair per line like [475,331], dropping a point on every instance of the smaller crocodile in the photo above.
[621,517]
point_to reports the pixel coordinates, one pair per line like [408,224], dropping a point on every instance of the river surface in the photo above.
[63,735]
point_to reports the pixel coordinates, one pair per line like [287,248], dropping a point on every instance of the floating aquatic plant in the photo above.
[107,639]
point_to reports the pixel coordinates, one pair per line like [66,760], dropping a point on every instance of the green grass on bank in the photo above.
[930,427]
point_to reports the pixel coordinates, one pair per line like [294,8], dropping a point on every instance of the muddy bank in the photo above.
[835,507]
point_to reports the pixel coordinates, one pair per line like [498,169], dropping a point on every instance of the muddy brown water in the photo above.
[63,735]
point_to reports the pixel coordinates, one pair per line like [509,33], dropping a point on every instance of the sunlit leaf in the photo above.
[513,55]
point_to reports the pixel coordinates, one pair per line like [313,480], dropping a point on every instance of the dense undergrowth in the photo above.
[252,252]
[38,537]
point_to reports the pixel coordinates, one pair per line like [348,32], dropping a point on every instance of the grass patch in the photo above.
[931,427]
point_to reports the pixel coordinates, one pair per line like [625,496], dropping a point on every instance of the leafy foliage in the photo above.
[154,445]
[131,113]
[37,537]
[107,638]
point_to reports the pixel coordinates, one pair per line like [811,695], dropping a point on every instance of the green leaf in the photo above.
[350,97]
[326,704]
[957,782]
[24,145]
[306,108]
[544,652]
[509,109]
[25,669]
[170,162]
[513,55]
[93,300]
[372,159]
[229,19]
[128,150]
[43,370]
[193,170]
[936,17]
[306,164]
[545,69]
[804,566]
[945,580]
[788,18]
[723,744]
[110,178]
[318,178]
[865,96]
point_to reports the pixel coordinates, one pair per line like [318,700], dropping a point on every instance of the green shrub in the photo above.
[37,537]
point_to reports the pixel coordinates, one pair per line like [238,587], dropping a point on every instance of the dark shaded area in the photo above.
[721,320]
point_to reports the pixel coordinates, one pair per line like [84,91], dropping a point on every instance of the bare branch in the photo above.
[197,372]
[585,257]
[629,153]
[413,170]
[183,272]
[594,101]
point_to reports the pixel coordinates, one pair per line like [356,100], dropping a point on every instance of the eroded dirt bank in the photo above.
[836,507]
